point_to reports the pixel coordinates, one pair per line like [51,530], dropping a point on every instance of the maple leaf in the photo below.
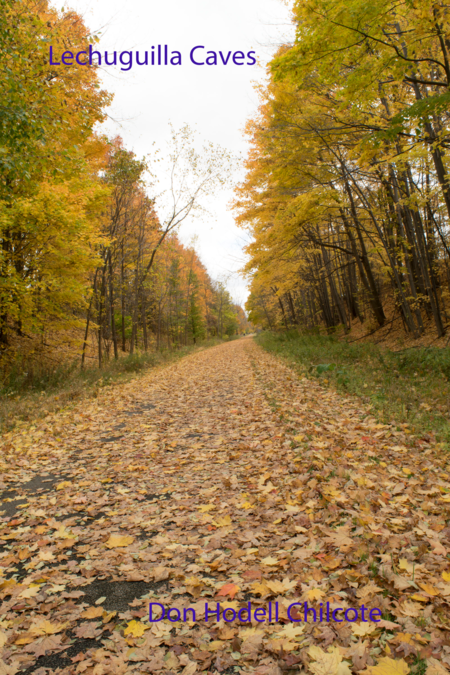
[117,541]
[388,666]
[313,594]
[260,588]
[340,539]
[45,627]
[389,625]
[359,654]
[327,663]
[64,484]
[87,630]
[363,629]
[29,592]
[160,573]
[215,645]
[369,589]
[228,589]
[410,608]
[269,560]
[428,588]
[46,555]
[252,644]
[204,508]
[290,631]
[222,522]
[278,587]
[170,660]
[7,670]
[404,564]
[281,644]
[435,667]
[135,628]
[50,643]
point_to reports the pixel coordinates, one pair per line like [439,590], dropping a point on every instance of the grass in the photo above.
[409,387]
[33,390]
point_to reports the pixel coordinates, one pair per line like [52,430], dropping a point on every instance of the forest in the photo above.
[150,461]
[347,193]
[88,271]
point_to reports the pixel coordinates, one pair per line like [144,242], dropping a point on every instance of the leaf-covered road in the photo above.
[222,478]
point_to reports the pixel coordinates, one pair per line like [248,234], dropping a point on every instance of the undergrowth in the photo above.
[409,387]
[31,390]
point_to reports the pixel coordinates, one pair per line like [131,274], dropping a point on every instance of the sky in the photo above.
[215,100]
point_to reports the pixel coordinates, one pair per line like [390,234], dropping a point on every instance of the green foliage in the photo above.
[411,386]
[128,321]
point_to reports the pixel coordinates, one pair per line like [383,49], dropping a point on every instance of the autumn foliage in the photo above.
[347,190]
[83,256]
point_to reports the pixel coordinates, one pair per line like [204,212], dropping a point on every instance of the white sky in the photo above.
[216,100]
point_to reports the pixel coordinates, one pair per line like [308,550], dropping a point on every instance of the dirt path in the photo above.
[223,479]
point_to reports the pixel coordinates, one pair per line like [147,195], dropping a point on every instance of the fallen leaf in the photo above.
[116,541]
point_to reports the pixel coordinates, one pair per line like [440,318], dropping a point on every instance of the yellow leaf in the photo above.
[419,598]
[135,628]
[215,645]
[446,576]
[222,522]
[47,628]
[280,644]
[107,616]
[405,637]
[203,508]
[116,540]
[278,587]
[269,561]
[292,508]
[64,484]
[24,639]
[362,629]
[429,589]
[46,555]
[387,666]
[29,592]
[260,588]
[314,594]
[290,632]
[404,564]
[62,533]
[327,663]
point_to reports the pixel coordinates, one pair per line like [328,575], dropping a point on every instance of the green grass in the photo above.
[32,390]
[409,387]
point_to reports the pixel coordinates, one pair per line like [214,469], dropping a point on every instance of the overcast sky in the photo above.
[216,100]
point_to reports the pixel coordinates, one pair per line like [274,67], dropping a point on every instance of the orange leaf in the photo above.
[228,589]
